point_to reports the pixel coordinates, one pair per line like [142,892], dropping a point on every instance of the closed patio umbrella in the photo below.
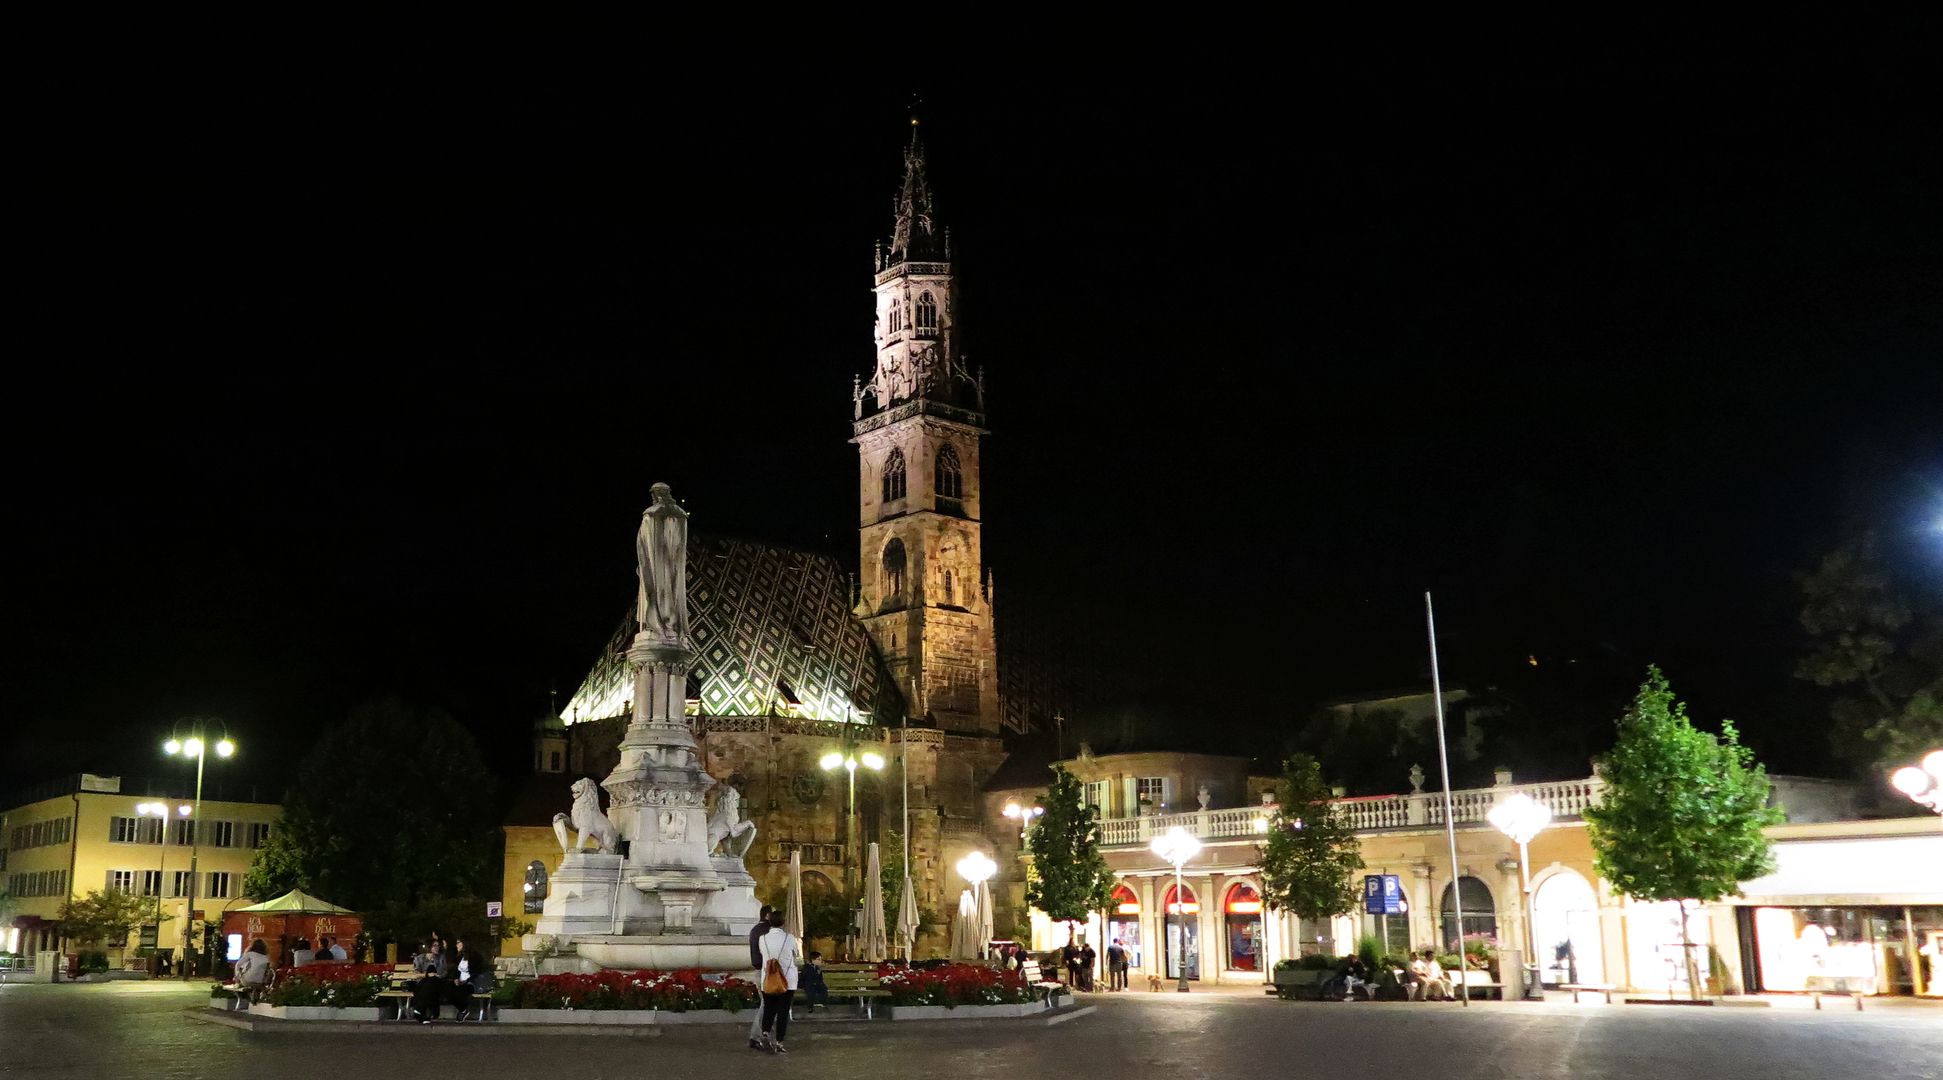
[984,915]
[907,918]
[876,942]
[963,927]
[793,902]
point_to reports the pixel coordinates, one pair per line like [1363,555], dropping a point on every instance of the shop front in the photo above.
[1850,906]
[1181,944]
[1242,915]
[1123,924]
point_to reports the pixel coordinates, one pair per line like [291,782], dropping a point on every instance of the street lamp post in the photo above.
[160,810]
[1023,815]
[1177,847]
[1522,817]
[193,746]
[1922,783]
[848,760]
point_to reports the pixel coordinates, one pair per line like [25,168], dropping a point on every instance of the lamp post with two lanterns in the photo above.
[1922,783]
[195,746]
[848,759]
[160,810]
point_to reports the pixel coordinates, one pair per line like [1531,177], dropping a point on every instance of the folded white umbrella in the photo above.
[793,905]
[907,918]
[962,927]
[983,941]
[876,943]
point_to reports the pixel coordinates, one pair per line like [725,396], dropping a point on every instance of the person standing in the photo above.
[756,933]
[780,956]
[1087,958]
[1116,966]
[1069,958]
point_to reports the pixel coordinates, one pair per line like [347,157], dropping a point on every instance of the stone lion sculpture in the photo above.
[590,822]
[726,829]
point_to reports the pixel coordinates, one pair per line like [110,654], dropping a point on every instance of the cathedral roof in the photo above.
[916,234]
[773,633]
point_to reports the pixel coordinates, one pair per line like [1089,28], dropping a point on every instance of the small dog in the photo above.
[1153,984]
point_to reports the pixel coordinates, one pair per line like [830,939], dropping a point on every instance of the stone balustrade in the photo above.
[1369,813]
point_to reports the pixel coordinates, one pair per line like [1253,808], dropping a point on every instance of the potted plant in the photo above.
[1304,976]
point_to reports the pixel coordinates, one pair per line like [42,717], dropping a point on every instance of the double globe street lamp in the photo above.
[1922,783]
[195,746]
[1522,817]
[161,810]
[977,868]
[848,759]
[1176,846]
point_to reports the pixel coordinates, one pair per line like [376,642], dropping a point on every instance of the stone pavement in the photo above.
[146,1030]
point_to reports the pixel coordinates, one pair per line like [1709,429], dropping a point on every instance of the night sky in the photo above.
[355,385]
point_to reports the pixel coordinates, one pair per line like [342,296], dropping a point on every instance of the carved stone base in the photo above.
[583,896]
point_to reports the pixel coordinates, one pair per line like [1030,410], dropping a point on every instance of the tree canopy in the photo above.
[1683,810]
[1878,643]
[391,807]
[104,916]
[1070,878]
[1310,854]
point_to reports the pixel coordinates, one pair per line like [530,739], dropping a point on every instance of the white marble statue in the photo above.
[562,832]
[661,563]
[590,822]
[726,827]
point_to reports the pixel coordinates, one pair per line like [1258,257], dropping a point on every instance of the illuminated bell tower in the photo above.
[925,596]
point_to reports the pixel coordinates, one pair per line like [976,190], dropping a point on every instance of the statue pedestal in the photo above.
[583,896]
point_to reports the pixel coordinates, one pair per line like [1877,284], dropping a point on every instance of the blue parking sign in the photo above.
[1383,894]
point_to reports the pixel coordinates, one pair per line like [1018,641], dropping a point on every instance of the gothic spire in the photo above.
[917,236]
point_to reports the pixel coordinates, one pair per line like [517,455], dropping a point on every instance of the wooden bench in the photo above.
[860,984]
[1589,988]
[1036,978]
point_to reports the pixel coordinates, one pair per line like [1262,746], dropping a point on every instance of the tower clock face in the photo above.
[807,787]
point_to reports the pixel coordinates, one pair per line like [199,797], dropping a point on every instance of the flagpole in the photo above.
[1450,824]
[904,775]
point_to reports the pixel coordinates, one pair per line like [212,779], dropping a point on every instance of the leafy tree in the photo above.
[1881,650]
[1683,811]
[1311,852]
[392,809]
[103,916]
[1070,879]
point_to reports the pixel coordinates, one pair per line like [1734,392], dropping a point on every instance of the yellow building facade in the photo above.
[85,834]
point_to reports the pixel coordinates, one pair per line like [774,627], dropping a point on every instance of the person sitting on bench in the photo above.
[809,979]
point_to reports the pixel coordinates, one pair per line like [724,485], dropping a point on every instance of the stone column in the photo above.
[1427,934]
[1514,943]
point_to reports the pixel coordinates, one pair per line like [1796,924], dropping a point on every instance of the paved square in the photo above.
[146,1030]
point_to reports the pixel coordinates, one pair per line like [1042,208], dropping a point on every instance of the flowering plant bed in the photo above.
[668,991]
[954,985]
[331,986]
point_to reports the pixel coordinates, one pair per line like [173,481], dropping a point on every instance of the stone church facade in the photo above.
[798,658]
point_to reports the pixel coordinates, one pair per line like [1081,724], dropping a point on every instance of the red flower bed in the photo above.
[337,985]
[954,985]
[669,991]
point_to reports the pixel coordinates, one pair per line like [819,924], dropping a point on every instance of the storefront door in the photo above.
[1183,940]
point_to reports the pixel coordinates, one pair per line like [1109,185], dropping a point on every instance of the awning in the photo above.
[297,902]
[1865,871]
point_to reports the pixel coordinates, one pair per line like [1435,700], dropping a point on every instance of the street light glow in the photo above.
[831,760]
[1909,780]
[1520,817]
[873,760]
[225,748]
[976,867]
[173,746]
[192,747]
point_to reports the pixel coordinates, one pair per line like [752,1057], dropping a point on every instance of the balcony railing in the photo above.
[1371,813]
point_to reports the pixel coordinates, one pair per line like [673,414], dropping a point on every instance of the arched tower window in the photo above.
[897,317]
[950,477]
[894,569]
[927,313]
[894,476]
[535,887]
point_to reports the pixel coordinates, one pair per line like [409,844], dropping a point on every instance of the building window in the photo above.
[124,830]
[1151,793]
[179,886]
[894,476]
[150,883]
[897,316]
[1096,800]
[950,477]
[121,881]
[219,834]
[554,758]
[259,833]
[894,570]
[1479,918]
[927,313]
[535,887]
[183,832]
[218,885]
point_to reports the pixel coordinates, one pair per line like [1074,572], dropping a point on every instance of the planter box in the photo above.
[966,1012]
[614,1017]
[705,1016]
[314,1012]
[1301,983]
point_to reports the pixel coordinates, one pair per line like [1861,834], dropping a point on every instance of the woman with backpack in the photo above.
[781,953]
